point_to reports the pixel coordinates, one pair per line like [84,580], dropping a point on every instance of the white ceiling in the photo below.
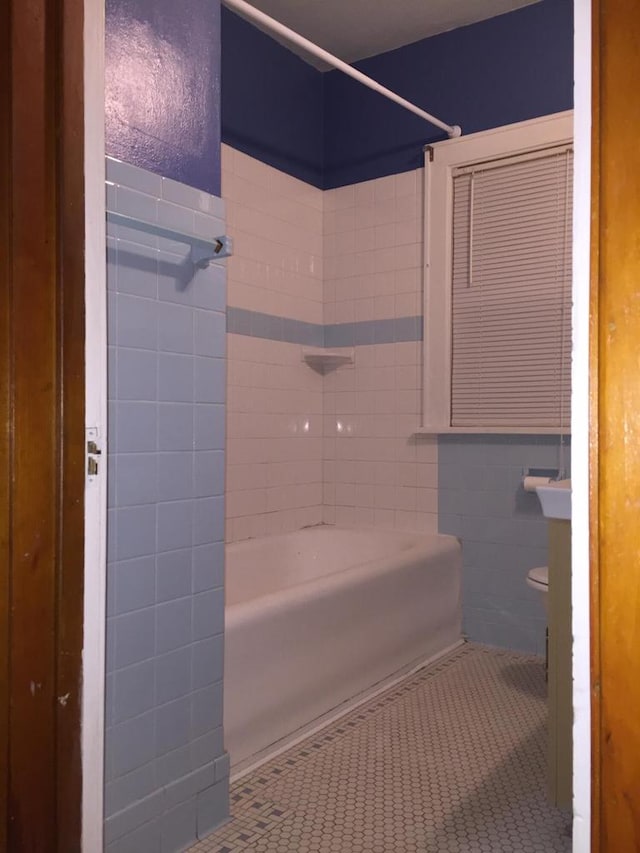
[355,29]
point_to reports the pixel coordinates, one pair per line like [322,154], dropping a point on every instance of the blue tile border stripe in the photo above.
[392,330]
[241,321]
[255,324]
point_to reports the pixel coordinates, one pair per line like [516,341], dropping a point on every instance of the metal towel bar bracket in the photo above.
[203,250]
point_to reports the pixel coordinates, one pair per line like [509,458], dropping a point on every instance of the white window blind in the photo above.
[511,300]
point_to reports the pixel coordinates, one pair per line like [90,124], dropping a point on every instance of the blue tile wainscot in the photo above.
[481,500]
[166,768]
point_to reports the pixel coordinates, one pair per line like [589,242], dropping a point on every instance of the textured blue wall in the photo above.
[331,131]
[163,88]
[272,101]
[510,68]
[163,91]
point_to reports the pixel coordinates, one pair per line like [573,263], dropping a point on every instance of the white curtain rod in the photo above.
[270,23]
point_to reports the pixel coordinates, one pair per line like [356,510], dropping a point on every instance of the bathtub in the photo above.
[316,617]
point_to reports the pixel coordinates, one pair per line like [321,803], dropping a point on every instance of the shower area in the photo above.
[342,414]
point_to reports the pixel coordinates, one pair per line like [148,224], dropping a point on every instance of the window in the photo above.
[511,286]
[498,280]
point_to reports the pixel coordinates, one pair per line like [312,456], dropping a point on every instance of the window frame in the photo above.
[447,156]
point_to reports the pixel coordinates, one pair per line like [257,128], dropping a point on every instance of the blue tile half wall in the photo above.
[166,768]
[503,532]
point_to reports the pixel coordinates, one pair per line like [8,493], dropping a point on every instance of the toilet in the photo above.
[538,579]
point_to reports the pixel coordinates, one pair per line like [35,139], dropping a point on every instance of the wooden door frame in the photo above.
[615,428]
[42,384]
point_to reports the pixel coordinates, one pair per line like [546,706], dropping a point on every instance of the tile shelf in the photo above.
[325,359]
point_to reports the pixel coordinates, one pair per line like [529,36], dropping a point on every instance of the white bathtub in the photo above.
[316,617]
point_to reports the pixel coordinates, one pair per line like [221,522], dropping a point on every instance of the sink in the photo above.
[556,499]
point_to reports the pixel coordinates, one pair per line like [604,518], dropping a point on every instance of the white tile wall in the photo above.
[303,448]
[274,444]
[375,470]
[274,404]
[373,249]
[276,223]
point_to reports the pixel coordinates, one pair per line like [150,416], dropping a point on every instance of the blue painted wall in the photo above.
[163,91]
[331,131]
[272,101]
[163,88]
[507,69]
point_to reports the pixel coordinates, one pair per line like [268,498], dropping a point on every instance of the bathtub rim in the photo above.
[344,577]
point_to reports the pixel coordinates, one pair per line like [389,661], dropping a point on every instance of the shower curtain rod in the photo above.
[270,23]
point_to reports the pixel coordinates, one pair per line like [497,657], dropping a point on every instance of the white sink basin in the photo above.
[556,499]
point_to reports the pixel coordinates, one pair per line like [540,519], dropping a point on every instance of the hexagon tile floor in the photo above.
[450,760]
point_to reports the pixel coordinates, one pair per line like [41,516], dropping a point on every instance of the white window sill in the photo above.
[449,430]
